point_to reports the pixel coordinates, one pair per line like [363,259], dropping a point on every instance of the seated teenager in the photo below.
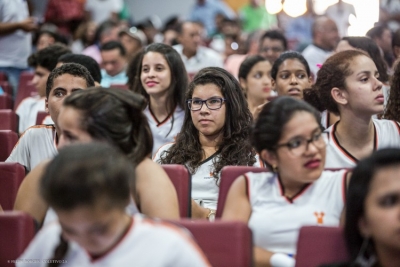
[88,186]
[289,137]
[372,211]
[113,116]
[215,133]
[348,85]
[39,142]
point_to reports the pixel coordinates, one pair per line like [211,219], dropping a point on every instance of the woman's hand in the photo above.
[198,212]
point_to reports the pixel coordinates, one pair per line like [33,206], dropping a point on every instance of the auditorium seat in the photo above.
[25,88]
[41,115]
[8,139]
[181,179]
[17,229]
[3,76]
[318,245]
[228,176]
[11,176]
[223,243]
[8,120]
[6,86]
[6,102]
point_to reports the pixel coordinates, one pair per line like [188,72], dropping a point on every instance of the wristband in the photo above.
[281,260]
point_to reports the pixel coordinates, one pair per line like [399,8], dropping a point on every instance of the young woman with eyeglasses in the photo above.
[288,137]
[215,133]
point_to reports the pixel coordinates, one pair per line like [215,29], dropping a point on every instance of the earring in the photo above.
[365,257]
[274,168]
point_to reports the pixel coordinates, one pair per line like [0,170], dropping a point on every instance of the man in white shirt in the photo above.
[340,13]
[325,38]
[194,56]
[39,142]
[113,64]
[15,39]
[44,61]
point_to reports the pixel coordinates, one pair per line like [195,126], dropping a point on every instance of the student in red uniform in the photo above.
[216,134]
[88,186]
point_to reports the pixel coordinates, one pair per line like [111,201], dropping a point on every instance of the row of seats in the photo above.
[224,243]
[25,89]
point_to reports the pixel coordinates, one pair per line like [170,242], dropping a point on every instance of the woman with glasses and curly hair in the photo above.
[215,133]
[289,137]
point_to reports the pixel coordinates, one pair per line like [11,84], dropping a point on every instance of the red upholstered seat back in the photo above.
[181,179]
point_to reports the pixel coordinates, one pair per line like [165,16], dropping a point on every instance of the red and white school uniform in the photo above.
[387,134]
[146,243]
[276,220]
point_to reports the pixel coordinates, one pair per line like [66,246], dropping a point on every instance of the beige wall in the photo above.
[236,4]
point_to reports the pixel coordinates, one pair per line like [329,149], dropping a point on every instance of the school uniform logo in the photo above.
[320,217]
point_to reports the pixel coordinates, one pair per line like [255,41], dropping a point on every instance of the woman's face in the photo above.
[155,74]
[69,123]
[258,82]
[298,159]
[208,122]
[363,93]
[291,79]
[93,227]
[381,220]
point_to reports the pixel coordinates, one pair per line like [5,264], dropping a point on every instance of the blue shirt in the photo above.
[107,80]
[207,12]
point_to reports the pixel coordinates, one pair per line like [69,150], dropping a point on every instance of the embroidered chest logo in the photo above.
[210,176]
[320,217]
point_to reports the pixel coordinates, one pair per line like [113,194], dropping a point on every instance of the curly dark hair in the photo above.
[333,73]
[235,147]
[392,110]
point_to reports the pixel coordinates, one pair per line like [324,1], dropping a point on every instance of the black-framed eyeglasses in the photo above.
[298,146]
[211,103]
